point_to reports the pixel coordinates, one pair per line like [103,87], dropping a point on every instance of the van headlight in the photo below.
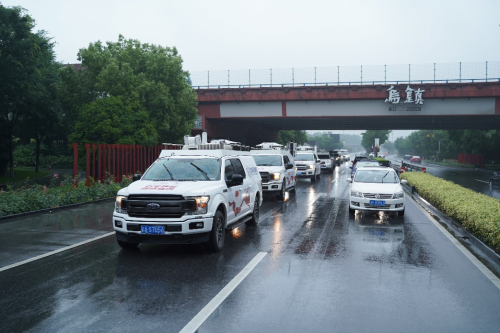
[356,194]
[398,195]
[120,204]
[201,204]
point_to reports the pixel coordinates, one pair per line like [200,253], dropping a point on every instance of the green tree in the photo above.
[368,138]
[147,74]
[20,75]
[112,120]
[292,136]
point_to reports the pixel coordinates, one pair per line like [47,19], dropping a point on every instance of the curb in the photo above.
[48,210]
[464,236]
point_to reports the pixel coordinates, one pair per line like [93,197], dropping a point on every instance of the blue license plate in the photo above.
[299,173]
[377,203]
[323,166]
[152,229]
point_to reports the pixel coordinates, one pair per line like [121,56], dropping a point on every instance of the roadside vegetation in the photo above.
[31,198]
[476,212]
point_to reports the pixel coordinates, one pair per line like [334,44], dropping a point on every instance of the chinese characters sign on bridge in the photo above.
[412,96]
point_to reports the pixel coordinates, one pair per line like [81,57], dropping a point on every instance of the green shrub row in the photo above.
[383,161]
[36,197]
[478,213]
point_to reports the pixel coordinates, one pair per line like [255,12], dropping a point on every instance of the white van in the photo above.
[190,196]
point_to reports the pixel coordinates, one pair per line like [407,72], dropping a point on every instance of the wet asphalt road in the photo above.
[324,272]
[474,179]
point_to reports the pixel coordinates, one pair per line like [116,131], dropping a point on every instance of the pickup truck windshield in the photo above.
[268,160]
[304,157]
[184,169]
[323,156]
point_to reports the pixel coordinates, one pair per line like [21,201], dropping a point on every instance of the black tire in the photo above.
[127,245]
[217,234]
[319,175]
[313,179]
[281,195]
[256,212]
[401,213]
[294,188]
[351,211]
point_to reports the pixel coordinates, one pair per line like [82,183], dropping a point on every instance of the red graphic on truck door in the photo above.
[241,197]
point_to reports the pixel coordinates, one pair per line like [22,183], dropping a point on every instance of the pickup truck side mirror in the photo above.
[236,179]
[318,161]
[289,166]
[136,177]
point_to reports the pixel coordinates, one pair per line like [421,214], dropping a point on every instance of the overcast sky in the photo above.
[232,34]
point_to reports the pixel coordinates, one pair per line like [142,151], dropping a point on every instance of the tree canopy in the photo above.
[148,77]
[292,136]
[368,138]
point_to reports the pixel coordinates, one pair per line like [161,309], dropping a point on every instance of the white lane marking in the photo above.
[483,181]
[200,318]
[54,252]
[489,275]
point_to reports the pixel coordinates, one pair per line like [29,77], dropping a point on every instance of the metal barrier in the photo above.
[412,167]
[348,75]
[116,161]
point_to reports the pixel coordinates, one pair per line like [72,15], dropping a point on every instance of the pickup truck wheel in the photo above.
[401,213]
[255,214]
[313,179]
[127,245]
[217,234]
[351,211]
[281,195]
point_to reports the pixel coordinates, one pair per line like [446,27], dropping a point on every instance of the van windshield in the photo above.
[268,160]
[184,169]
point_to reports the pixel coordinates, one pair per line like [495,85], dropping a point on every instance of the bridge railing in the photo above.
[487,71]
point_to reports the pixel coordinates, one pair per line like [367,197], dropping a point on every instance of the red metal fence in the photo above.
[474,159]
[110,160]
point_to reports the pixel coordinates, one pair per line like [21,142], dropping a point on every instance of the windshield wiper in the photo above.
[171,177]
[202,172]
[384,176]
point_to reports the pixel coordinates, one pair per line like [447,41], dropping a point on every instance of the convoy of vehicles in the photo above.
[376,188]
[276,167]
[192,194]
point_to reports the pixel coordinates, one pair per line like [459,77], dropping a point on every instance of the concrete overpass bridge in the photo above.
[256,114]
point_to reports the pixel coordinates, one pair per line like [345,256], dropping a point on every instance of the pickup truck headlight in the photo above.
[311,166]
[201,204]
[398,195]
[356,194]
[119,207]
[275,176]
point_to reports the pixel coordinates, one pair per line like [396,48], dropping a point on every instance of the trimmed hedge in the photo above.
[478,213]
[38,197]
[383,161]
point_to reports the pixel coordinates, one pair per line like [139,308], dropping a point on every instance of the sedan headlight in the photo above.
[275,176]
[356,194]
[311,166]
[398,195]
[201,204]
[120,206]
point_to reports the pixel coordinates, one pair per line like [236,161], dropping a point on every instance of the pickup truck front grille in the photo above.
[264,176]
[168,206]
[301,167]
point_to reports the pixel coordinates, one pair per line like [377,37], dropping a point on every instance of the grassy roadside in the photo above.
[23,173]
[476,212]
[58,193]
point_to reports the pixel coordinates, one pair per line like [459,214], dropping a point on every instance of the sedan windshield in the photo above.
[376,176]
[361,164]
[304,157]
[267,160]
[186,169]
